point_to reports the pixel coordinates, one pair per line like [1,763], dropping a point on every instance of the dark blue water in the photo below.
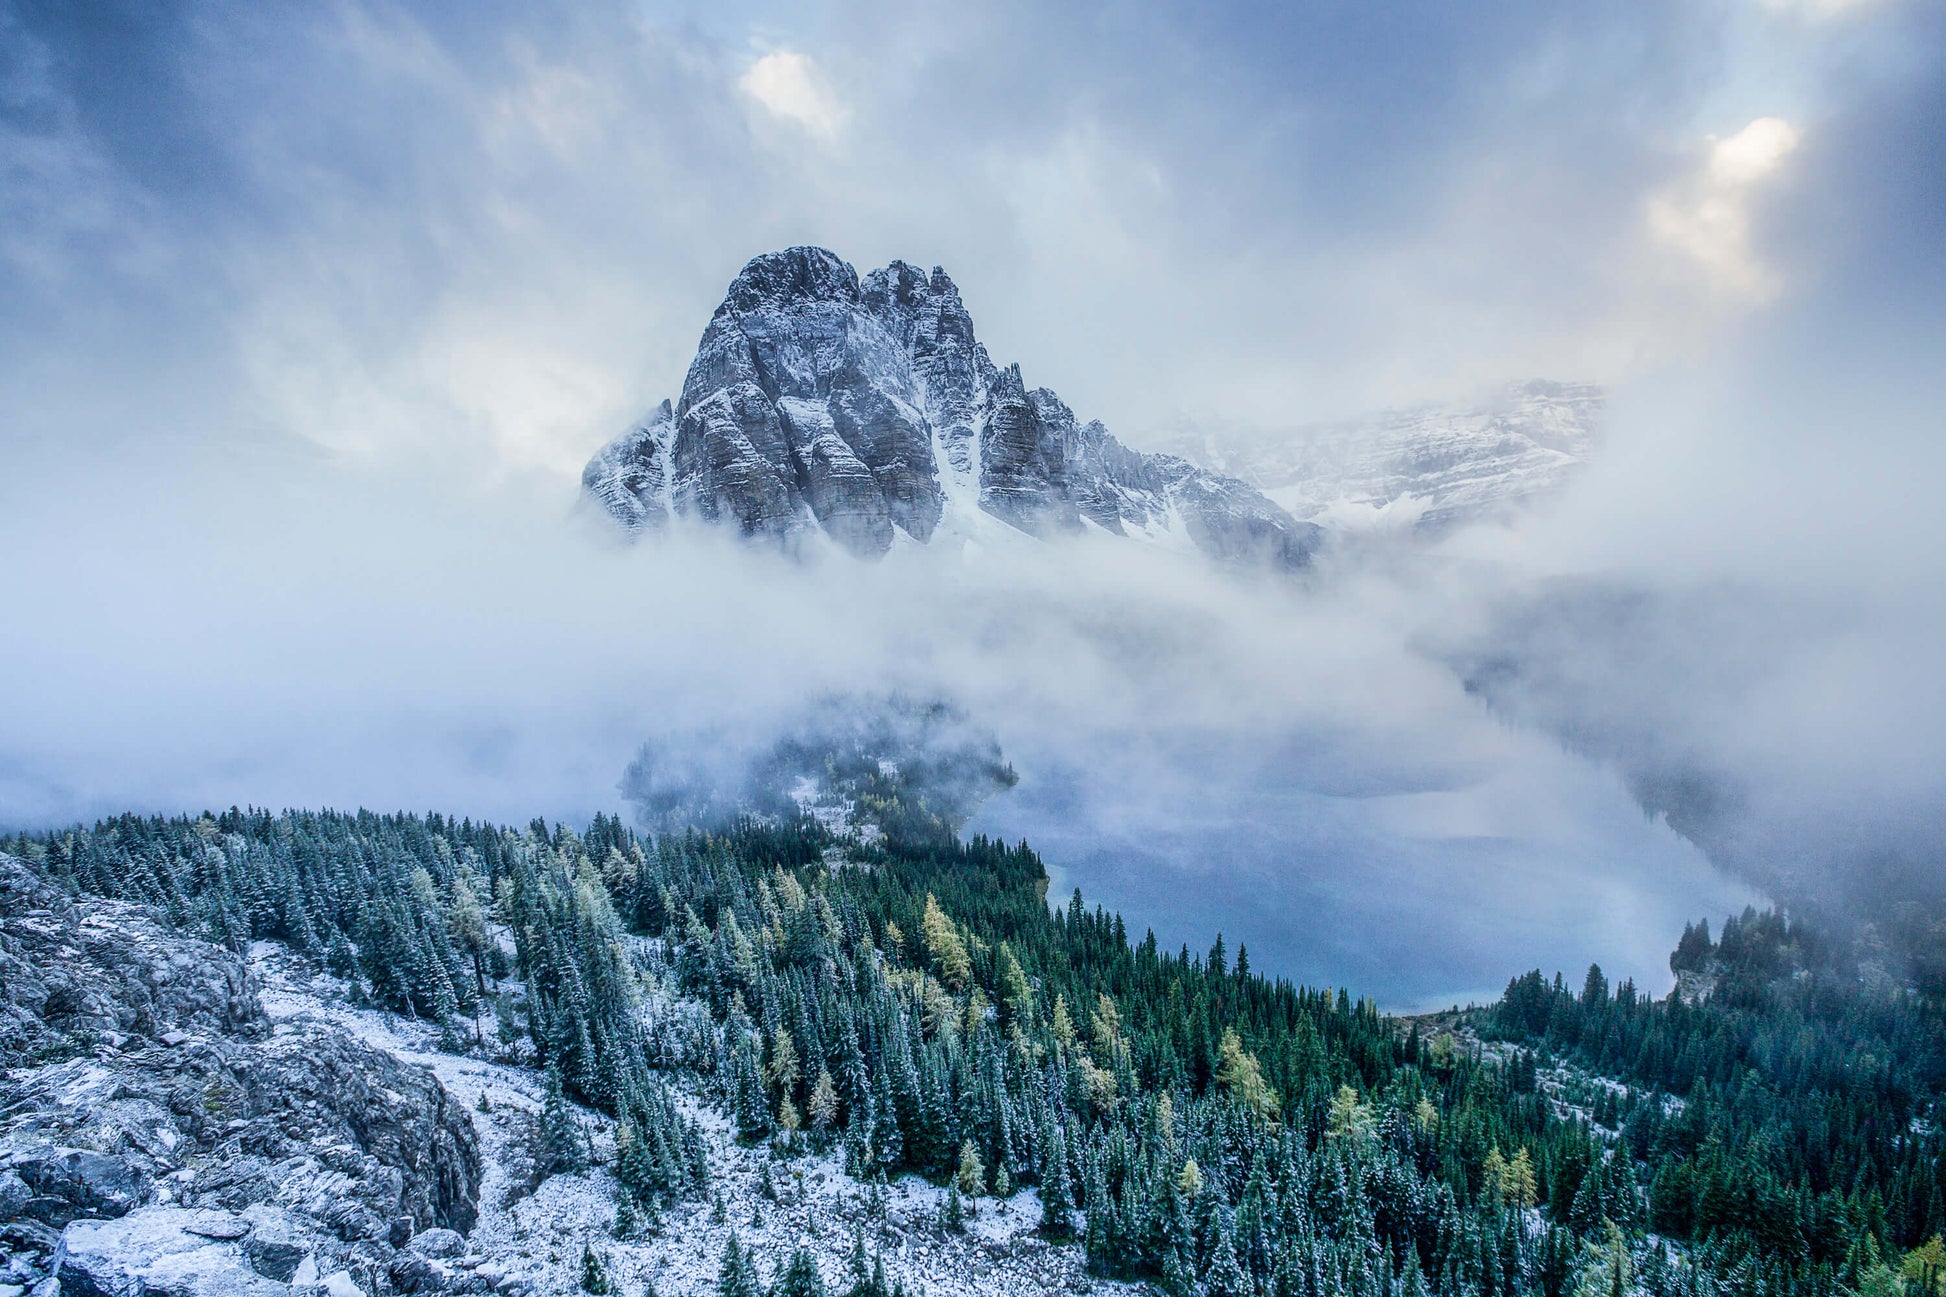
[1419,891]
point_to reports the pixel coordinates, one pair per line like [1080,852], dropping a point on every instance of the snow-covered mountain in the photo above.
[1431,467]
[868,411]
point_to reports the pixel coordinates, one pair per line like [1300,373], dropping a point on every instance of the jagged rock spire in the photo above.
[818,402]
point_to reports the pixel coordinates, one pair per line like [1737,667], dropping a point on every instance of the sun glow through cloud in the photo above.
[1707,216]
[791,87]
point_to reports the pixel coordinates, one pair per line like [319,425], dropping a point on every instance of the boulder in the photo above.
[441,1244]
[71,1183]
[155,1252]
[14,1195]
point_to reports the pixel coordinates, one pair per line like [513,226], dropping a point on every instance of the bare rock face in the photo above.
[157,1135]
[70,979]
[818,403]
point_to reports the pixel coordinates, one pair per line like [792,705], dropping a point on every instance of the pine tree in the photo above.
[1610,1271]
[943,945]
[563,1150]
[782,1071]
[738,1276]
[1015,995]
[800,1277]
[1062,1025]
[1493,1176]
[1057,1203]
[1242,1077]
[823,1104]
[1519,1186]
[971,1176]
[1189,1181]
[594,1272]
[1350,1119]
[952,1212]
[469,928]
[787,1124]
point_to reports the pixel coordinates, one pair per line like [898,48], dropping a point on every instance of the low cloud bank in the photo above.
[1204,749]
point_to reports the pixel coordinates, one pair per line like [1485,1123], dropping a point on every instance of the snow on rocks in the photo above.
[530,1238]
[866,412]
[155,1116]
[164,1250]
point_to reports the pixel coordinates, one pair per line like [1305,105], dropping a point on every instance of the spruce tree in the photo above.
[800,1277]
[562,1148]
[627,1222]
[738,1276]
[1057,1203]
[1224,1277]
[594,1272]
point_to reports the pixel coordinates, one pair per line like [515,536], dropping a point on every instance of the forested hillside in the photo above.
[917,1004]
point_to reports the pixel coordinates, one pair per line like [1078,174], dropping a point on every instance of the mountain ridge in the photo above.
[867,410]
[1431,467]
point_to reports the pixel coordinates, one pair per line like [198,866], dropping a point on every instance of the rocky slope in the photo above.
[159,1134]
[533,1233]
[1431,468]
[178,1120]
[868,410]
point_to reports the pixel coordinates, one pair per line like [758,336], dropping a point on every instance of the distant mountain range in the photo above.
[1429,468]
[868,412]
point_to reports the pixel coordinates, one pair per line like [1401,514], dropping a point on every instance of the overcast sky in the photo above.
[487,230]
[310,315]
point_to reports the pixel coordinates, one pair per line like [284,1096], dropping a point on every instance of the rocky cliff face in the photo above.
[867,410]
[158,1134]
[1430,468]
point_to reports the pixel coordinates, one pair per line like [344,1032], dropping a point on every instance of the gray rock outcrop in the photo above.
[158,1135]
[818,402]
[162,1252]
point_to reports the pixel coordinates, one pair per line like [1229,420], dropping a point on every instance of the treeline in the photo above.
[920,1007]
[1782,1100]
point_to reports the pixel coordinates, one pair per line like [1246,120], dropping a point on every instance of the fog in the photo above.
[1742,605]
[279,630]
[306,325]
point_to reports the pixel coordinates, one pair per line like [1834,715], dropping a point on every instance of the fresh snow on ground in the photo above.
[536,1239]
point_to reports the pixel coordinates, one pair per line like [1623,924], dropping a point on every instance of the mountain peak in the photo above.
[866,410]
[802,273]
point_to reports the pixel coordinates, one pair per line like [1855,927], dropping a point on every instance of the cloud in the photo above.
[1330,209]
[1740,603]
[268,627]
[790,86]
[307,318]
[1819,9]
[1707,216]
